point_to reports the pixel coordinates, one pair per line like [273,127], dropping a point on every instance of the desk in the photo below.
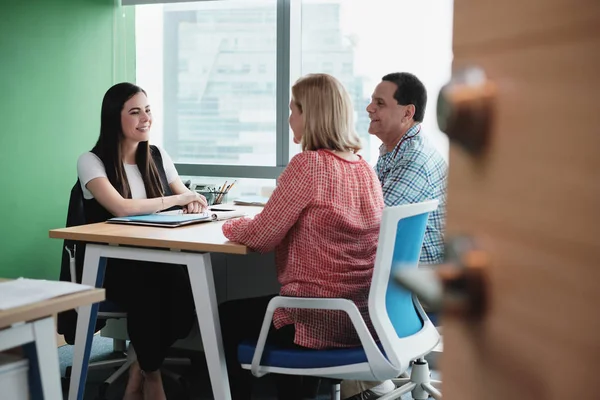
[32,326]
[189,245]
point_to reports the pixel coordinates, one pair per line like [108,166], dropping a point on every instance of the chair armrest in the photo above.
[260,344]
[374,355]
[72,269]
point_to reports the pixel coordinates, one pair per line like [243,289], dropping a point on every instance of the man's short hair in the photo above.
[410,90]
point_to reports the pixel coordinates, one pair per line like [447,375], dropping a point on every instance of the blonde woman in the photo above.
[322,221]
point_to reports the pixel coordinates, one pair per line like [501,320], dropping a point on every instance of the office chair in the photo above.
[405,332]
[108,310]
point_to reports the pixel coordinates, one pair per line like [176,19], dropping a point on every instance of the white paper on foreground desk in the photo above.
[22,291]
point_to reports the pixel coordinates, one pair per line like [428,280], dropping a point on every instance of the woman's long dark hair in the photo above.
[108,146]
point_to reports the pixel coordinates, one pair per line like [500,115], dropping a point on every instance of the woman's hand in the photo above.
[190,197]
[193,203]
[194,207]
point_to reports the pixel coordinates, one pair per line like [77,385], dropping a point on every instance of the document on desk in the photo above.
[221,213]
[251,201]
[163,220]
[21,292]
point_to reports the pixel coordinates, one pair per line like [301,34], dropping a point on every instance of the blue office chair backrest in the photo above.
[401,310]
[401,324]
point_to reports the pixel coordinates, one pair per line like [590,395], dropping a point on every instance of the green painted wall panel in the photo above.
[56,62]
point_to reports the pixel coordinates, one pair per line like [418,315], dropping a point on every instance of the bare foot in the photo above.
[133,391]
[153,386]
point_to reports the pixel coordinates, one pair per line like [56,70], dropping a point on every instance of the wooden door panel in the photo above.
[534,201]
[539,337]
[541,177]
[512,22]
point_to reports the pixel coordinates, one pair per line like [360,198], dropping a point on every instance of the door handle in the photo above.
[465,109]
[457,287]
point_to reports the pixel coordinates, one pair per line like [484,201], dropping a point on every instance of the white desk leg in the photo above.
[47,355]
[93,275]
[207,310]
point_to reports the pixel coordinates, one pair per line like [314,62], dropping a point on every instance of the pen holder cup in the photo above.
[213,198]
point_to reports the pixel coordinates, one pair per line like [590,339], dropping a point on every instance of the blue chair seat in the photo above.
[274,356]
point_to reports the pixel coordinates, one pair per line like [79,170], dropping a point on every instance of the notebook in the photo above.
[251,201]
[164,220]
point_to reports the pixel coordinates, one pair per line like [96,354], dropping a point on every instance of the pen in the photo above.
[230,186]
[220,194]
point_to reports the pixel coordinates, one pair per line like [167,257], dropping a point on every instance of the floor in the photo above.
[194,377]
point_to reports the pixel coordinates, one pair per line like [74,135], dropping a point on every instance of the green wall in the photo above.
[57,58]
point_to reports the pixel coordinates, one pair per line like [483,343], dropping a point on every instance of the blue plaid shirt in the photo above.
[414,172]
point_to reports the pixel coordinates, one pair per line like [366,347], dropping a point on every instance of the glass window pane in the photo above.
[360,41]
[209,70]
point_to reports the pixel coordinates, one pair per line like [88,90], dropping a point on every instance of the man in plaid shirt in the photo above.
[410,171]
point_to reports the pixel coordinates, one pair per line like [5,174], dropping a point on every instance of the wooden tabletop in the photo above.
[46,308]
[201,237]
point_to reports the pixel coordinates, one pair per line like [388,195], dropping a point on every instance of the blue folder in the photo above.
[161,220]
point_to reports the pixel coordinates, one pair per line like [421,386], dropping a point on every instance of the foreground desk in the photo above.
[32,326]
[191,246]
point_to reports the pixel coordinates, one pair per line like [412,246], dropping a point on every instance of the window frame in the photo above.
[288,67]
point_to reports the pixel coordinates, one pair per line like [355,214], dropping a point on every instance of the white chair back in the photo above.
[404,329]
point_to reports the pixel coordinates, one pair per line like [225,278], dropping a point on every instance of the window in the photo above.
[218,73]
[384,40]
[206,77]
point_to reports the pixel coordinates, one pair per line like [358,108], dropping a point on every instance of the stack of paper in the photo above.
[20,292]
[251,201]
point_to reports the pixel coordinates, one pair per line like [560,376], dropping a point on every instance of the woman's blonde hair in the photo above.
[327,113]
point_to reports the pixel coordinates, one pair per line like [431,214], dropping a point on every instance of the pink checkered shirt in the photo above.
[323,223]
